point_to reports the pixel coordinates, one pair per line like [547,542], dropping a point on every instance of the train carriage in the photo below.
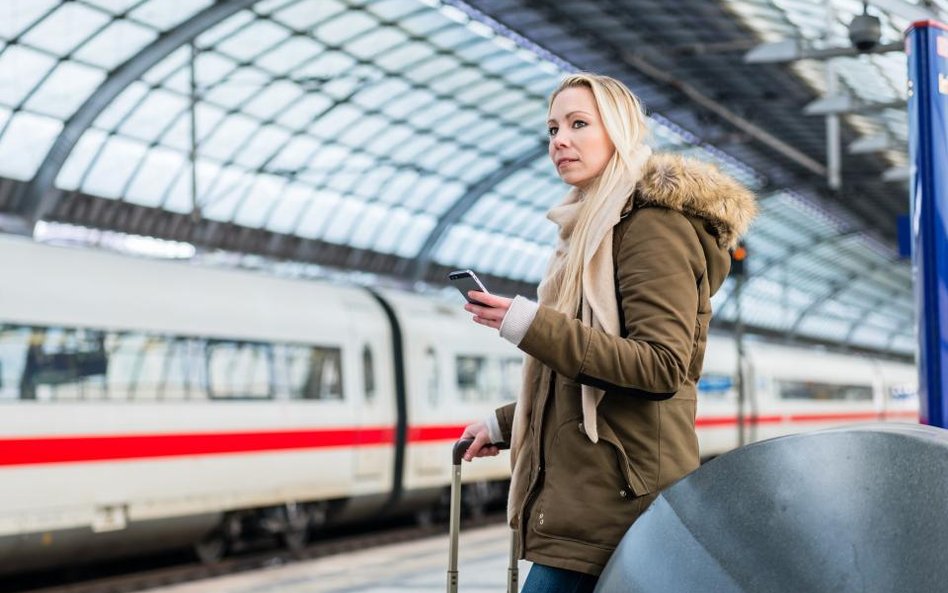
[148,404]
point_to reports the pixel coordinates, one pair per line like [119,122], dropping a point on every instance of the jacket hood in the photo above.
[700,191]
[696,188]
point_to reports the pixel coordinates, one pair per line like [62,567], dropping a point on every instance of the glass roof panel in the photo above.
[157,171]
[21,69]
[66,28]
[288,208]
[25,141]
[165,14]
[115,164]
[155,114]
[110,47]
[264,142]
[86,149]
[252,40]
[375,43]
[415,234]
[304,15]
[367,226]
[389,234]
[261,197]
[361,124]
[66,88]
[17,16]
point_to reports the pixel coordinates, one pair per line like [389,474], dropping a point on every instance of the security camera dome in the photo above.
[865,32]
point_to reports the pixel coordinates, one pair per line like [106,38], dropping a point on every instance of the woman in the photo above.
[605,418]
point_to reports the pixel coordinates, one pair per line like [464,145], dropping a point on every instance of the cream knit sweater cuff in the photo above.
[493,428]
[518,319]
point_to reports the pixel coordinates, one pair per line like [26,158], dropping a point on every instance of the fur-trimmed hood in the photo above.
[696,188]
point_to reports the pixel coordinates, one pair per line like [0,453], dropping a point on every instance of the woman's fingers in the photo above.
[491,301]
[481,441]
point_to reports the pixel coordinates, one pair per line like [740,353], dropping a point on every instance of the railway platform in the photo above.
[418,567]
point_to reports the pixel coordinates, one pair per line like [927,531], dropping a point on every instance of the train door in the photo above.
[429,409]
[373,391]
[370,457]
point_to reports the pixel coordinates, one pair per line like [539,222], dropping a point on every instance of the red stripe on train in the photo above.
[71,449]
[41,450]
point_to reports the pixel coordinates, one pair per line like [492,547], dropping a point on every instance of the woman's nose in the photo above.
[561,140]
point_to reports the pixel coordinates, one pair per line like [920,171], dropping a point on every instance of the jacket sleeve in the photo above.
[658,265]
[505,416]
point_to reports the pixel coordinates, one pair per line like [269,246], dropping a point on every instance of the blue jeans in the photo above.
[546,579]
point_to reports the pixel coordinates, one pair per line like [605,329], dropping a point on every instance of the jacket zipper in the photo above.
[538,458]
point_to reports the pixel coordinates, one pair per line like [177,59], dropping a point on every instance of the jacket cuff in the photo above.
[493,429]
[518,319]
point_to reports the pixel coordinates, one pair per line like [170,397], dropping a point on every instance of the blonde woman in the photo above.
[605,417]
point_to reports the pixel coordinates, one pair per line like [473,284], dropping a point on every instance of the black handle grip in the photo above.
[460,448]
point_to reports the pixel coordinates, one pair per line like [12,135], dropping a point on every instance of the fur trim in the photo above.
[699,189]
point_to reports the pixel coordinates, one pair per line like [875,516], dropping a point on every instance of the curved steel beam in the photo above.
[786,257]
[41,197]
[889,297]
[836,288]
[423,260]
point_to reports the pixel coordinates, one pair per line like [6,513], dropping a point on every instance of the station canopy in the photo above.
[399,139]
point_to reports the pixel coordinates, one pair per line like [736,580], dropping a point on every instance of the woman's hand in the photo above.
[493,313]
[481,446]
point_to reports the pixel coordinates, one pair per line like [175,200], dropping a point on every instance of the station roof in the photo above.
[404,138]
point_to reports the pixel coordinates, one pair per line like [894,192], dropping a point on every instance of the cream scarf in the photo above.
[600,309]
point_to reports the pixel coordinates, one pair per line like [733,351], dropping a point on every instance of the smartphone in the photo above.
[466,280]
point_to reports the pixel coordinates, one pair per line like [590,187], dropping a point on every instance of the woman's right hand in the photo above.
[481,446]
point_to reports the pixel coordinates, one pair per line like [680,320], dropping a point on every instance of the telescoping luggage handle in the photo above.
[513,578]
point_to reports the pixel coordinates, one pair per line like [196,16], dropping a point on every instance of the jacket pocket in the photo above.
[631,474]
[586,496]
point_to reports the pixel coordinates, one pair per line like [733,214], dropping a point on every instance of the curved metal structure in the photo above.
[402,138]
[40,193]
[464,203]
[845,510]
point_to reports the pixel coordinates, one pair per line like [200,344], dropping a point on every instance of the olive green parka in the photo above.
[670,251]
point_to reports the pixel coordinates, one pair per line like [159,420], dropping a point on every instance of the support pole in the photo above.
[833,139]
[927,50]
[741,374]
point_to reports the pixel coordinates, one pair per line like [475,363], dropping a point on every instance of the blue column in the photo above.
[927,49]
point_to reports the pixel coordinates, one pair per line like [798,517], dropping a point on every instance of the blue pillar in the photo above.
[927,49]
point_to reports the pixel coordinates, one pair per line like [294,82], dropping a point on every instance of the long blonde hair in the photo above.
[624,120]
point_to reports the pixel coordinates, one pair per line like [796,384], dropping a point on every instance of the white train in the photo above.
[148,404]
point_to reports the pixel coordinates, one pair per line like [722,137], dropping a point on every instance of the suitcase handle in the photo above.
[460,448]
[513,577]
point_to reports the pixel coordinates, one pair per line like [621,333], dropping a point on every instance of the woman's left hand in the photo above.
[493,313]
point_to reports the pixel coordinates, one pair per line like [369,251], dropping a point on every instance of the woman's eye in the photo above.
[579,123]
[552,130]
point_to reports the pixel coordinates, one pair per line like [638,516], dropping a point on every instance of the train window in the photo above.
[823,391]
[238,370]
[150,368]
[432,376]
[368,373]
[75,364]
[511,378]
[13,346]
[472,378]
[314,373]
[64,364]
[126,354]
[184,377]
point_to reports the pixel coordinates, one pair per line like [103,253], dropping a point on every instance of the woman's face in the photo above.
[580,148]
